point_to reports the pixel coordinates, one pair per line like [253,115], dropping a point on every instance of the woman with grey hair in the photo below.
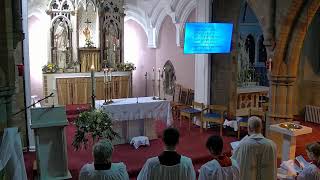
[102,168]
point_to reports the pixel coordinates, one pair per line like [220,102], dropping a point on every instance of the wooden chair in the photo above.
[252,112]
[182,104]
[191,112]
[214,114]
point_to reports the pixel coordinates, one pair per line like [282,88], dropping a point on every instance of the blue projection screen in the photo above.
[205,38]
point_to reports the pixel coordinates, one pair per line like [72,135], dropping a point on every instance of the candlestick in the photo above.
[154,84]
[104,75]
[146,85]
[93,88]
[154,74]
[159,73]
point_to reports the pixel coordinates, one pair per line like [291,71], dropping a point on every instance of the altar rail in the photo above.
[75,88]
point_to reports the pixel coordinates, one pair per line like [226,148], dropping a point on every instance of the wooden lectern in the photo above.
[52,159]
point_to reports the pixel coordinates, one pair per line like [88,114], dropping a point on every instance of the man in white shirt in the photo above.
[221,167]
[102,168]
[169,165]
[256,155]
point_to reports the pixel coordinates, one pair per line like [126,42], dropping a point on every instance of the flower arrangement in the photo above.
[89,43]
[125,67]
[95,123]
[50,68]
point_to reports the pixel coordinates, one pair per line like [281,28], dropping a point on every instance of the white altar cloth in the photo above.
[129,109]
[136,117]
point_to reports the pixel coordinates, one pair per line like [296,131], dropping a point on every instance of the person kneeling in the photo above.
[169,165]
[221,167]
[103,168]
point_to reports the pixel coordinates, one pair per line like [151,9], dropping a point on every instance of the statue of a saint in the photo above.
[86,33]
[61,44]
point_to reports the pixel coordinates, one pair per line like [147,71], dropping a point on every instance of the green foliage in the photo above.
[89,43]
[125,67]
[50,68]
[96,124]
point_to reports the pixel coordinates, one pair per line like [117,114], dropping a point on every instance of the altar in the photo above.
[136,116]
[75,88]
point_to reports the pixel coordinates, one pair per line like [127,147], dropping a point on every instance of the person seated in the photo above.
[221,167]
[312,171]
[102,168]
[256,155]
[169,165]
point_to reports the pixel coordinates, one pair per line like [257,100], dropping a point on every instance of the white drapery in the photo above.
[11,156]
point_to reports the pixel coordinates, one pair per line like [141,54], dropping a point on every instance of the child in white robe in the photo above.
[103,168]
[312,171]
[221,167]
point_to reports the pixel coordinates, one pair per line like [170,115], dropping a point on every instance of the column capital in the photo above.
[283,80]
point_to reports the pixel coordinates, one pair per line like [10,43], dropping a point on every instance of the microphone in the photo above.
[51,95]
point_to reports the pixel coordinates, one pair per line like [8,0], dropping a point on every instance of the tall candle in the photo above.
[104,75]
[159,73]
[110,77]
[154,74]
[93,87]
[114,47]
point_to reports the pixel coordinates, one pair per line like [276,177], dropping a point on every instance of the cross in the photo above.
[87,22]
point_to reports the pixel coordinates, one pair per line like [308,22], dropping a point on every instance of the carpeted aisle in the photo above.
[192,144]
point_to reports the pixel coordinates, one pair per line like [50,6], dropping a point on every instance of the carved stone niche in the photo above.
[169,78]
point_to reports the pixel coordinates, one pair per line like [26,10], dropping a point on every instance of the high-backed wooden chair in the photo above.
[252,112]
[194,111]
[214,114]
[183,99]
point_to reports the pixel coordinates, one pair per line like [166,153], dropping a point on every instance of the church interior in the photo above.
[73,72]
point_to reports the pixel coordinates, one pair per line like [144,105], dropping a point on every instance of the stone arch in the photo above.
[287,58]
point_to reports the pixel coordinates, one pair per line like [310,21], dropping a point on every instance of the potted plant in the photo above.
[95,123]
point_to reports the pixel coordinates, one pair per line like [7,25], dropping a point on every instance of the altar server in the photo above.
[169,165]
[256,155]
[312,171]
[102,168]
[221,167]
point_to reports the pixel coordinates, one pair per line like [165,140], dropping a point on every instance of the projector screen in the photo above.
[205,38]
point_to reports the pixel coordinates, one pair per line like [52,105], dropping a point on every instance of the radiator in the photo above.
[312,114]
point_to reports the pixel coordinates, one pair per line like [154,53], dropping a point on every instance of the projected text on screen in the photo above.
[203,38]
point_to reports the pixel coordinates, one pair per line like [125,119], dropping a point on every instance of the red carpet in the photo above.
[192,144]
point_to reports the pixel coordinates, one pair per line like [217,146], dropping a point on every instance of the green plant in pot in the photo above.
[95,123]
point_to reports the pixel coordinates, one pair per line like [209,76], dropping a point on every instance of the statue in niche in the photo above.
[61,44]
[112,45]
[169,78]
[262,50]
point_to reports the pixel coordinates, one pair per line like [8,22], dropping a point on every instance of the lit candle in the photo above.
[114,47]
[93,87]
[154,73]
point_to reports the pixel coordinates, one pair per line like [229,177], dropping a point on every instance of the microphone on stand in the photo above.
[50,95]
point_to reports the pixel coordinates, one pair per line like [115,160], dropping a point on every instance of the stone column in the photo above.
[202,63]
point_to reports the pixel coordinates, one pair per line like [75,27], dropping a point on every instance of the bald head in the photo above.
[254,125]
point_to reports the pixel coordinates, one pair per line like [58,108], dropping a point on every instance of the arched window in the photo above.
[262,50]
[250,48]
